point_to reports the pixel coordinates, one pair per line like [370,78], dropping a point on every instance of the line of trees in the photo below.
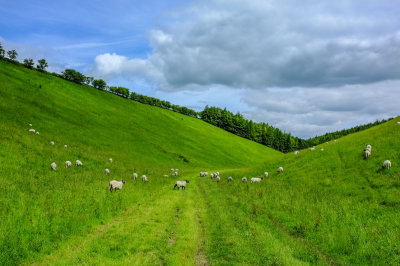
[235,123]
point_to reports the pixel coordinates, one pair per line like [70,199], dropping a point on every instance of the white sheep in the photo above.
[78,163]
[217,173]
[107,171]
[230,179]
[144,179]
[135,176]
[65,146]
[244,179]
[217,178]
[296,152]
[51,142]
[110,160]
[175,174]
[266,174]
[256,179]
[312,148]
[386,164]
[172,170]
[68,164]
[367,153]
[212,175]
[114,185]
[181,184]
[369,147]
[32,130]
[53,166]
[30,125]
[165,175]
[37,132]
[280,169]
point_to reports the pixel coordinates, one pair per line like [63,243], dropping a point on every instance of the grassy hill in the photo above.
[327,207]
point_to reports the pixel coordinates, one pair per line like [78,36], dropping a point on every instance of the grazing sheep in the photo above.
[175,174]
[203,174]
[256,179]
[30,125]
[32,130]
[37,132]
[230,179]
[110,160]
[78,163]
[367,153]
[165,175]
[266,174]
[51,142]
[386,164]
[312,149]
[369,147]
[144,179]
[217,173]
[172,170]
[217,178]
[65,146]
[212,175]
[68,164]
[296,152]
[107,171]
[280,169]
[244,179]
[53,166]
[114,185]
[134,176]
[181,184]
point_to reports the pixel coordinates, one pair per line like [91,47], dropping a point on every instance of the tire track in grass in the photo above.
[141,217]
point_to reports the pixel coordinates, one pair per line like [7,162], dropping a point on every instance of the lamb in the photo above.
[280,169]
[217,178]
[68,164]
[296,152]
[244,179]
[175,174]
[181,184]
[266,174]
[144,179]
[51,142]
[107,171]
[114,185]
[134,176]
[386,164]
[256,179]
[32,130]
[230,179]
[65,146]
[53,166]
[110,160]
[78,163]
[367,153]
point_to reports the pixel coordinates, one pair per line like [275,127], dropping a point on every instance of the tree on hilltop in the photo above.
[12,54]
[28,62]
[99,84]
[42,65]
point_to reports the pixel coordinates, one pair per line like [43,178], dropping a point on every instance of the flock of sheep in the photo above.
[117,185]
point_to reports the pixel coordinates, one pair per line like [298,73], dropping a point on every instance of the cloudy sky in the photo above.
[306,67]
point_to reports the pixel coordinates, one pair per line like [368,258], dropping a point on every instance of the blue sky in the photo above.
[309,69]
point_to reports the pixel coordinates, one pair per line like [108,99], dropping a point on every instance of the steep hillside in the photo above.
[40,207]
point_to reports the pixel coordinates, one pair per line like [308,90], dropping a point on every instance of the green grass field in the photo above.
[327,207]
